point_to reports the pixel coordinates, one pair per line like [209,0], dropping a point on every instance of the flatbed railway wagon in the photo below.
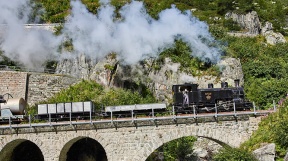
[66,111]
[137,109]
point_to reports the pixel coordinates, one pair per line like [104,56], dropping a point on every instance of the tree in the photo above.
[180,149]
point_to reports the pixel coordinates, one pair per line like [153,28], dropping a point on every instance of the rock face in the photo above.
[253,27]
[204,149]
[78,67]
[271,36]
[250,21]
[265,153]
[109,73]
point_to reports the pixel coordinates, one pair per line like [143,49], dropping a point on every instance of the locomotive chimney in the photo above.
[194,87]
[236,81]
[224,84]
[210,85]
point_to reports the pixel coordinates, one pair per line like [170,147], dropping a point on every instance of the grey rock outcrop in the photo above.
[265,153]
[204,149]
[84,68]
[249,22]
[252,26]
[201,154]
[78,67]
[271,36]
[109,73]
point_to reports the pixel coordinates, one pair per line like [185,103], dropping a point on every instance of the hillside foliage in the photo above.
[272,129]
[273,11]
[264,66]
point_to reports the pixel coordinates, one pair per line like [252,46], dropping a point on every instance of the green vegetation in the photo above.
[272,129]
[265,68]
[180,149]
[273,11]
[181,53]
[234,154]
[6,61]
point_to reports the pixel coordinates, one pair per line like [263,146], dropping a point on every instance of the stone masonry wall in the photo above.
[13,83]
[33,87]
[43,86]
[136,144]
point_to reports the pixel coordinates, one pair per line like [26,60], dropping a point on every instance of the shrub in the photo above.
[234,154]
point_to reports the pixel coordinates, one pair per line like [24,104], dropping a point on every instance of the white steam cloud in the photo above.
[135,36]
[30,47]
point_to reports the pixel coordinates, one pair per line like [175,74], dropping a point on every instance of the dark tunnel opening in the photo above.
[86,149]
[21,150]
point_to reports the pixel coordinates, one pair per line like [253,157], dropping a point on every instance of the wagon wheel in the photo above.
[225,106]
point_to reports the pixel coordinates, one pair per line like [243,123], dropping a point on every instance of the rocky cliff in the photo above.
[110,73]
[252,26]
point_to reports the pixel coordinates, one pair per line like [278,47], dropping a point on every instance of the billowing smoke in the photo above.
[30,47]
[135,36]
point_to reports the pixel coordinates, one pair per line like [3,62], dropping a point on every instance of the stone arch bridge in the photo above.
[116,141]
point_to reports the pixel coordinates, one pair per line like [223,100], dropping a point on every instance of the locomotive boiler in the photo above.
[188,98]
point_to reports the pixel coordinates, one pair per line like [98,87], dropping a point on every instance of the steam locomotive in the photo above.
[189,98]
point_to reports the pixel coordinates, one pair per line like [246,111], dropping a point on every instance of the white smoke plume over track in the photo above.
[30,47]
[135,36]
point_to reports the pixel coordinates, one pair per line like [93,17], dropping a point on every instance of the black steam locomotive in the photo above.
[188,98]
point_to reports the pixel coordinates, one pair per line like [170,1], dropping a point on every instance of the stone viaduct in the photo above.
[109,141]
[127,143]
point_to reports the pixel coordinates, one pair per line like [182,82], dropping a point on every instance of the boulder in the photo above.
[265,153]
[201,154]
[271,36]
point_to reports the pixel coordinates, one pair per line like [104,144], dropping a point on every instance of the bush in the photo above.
[234,154]
[231,25]
[272,129]
[179,149]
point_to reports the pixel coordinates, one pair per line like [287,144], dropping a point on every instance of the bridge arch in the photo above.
[83,148]
[220,143]
[230,133]
[21,150]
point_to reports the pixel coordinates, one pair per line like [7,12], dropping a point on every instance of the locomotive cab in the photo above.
[184,96]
